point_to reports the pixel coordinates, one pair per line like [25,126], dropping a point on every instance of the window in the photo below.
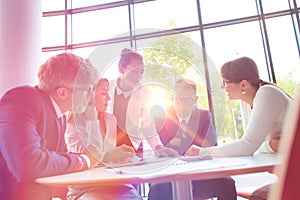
[228,29]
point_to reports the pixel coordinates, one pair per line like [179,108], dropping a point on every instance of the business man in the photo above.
[184,126]
[32,127]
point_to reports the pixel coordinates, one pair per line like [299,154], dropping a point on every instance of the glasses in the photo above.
[87,91]
[224,83]
[187,101]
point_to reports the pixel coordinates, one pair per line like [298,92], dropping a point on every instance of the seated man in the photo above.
[188,125]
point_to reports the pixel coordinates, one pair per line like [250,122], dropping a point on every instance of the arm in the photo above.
[207,131]
[263,118]
[30,138]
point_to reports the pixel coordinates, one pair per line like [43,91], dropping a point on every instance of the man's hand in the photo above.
[93,153]
[193,151]
[120,154]
[90,112]
[163,151]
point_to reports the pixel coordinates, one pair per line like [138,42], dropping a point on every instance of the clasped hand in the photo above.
[194,150]
[122,153]
[162,151]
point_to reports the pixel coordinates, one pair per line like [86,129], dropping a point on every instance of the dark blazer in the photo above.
[31,144]
[201,130]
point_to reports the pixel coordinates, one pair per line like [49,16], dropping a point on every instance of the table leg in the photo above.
[182,190]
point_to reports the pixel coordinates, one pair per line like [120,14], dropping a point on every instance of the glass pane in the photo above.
[284,52]
[106,57]
[53,31]
[165,14]
[173,57]
[216,10]
[53,5]
[85,3]
[47,55]
[84,52]
[100,25]
[229,42]
[273,6]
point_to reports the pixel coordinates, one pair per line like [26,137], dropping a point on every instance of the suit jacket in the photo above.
[31,144]
[200,130]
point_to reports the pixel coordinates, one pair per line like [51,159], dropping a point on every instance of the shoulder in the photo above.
[203,112]
[271,92]
[24,99]
[22,93]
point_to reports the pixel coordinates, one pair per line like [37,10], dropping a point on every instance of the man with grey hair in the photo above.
[32,127]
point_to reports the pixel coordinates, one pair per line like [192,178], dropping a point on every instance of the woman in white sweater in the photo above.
[268,103]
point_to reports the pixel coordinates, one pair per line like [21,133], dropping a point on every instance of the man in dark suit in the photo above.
[184,126]
[32,127]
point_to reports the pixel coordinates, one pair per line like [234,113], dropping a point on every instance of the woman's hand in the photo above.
[274,142]
[193,151]
[163,151]
[122,153]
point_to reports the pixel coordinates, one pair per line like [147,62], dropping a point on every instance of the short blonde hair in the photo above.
[64,70]
[186,83]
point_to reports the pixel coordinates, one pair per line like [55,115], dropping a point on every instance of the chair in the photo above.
[288,172]
[59,193]
[246,184]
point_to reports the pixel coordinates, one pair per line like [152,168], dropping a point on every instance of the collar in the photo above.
[187,119]
[119,91]
[56,108]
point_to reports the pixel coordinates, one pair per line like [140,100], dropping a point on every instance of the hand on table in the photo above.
[274,142]
[122,153]
[163,151]
[90,112]
[194,150]
[93,153]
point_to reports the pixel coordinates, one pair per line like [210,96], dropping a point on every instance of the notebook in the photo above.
[136,161]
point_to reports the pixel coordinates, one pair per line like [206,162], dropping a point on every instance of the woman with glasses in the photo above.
[186,125]
[269,105]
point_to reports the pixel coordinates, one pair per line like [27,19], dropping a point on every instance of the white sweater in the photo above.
[267,117]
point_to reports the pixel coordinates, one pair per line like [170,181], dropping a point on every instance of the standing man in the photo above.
[187,125]
[32,127]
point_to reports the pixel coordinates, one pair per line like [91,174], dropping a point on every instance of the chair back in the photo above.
[289,150]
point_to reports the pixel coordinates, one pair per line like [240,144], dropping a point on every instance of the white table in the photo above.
[180,174]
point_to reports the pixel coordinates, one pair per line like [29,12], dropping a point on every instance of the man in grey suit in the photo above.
[32,127]
[186,125]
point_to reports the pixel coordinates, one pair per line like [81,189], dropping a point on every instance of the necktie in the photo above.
[183,127]
[62,121]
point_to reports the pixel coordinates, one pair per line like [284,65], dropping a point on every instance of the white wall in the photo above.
[20,42]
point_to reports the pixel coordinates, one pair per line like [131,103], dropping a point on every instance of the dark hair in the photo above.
[244,68]
[101,81]
[127,55]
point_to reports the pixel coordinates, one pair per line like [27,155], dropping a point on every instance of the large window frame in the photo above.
[68,45]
